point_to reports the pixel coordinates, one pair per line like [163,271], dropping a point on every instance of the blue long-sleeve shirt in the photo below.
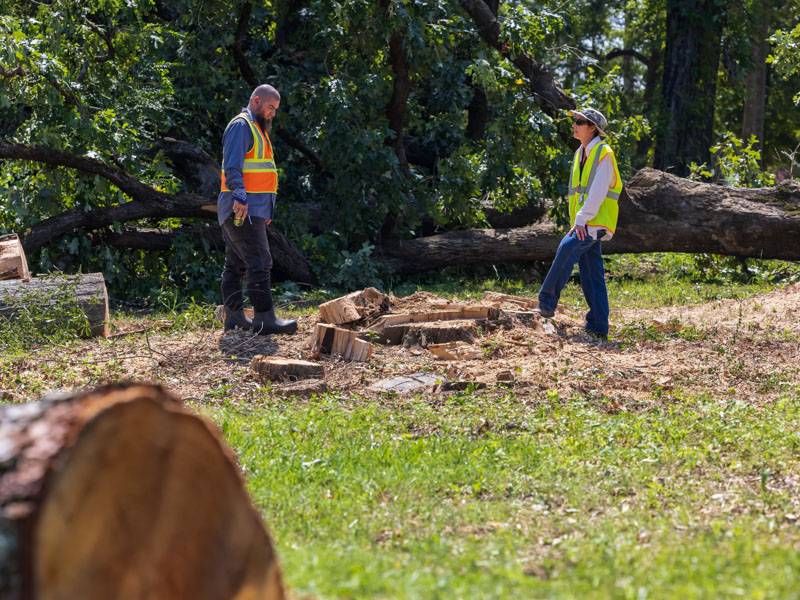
[238,139]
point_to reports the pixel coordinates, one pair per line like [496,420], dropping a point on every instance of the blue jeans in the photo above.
[588,255]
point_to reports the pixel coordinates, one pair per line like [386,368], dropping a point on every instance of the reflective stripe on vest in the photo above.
[258,171]
[581,182]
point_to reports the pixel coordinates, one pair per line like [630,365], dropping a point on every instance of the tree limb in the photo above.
[543,86]
[401,88]
[146,201]
[240,58]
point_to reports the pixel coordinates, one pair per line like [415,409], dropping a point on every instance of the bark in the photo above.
[401,89]
[477,114]
[691,61]
[756,80]
[106,494]
[546,90]
[659,213]
[288,263]
[88,292]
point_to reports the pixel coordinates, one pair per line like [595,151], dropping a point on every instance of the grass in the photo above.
[542,497]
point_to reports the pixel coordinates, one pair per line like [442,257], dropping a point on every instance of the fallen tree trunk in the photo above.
[50,298]
[288,262]
[659,213]
[121,493]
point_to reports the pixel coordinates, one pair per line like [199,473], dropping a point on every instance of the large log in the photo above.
[13,264]
[58,293]
[121,493]
[659,213]
[289,264]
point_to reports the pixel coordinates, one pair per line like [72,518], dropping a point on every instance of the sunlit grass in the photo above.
[482,498]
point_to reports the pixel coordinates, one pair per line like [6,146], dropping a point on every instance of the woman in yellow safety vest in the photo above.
[594,189]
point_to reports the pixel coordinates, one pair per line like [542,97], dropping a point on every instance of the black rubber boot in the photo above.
[236,319]
[266,322]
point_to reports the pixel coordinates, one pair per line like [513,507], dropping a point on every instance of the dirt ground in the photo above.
[747,349]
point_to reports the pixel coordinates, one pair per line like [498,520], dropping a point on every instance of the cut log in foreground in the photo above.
[58,294]
[329,339]
[659,213]
[354,306]
[13,264]
[121,494]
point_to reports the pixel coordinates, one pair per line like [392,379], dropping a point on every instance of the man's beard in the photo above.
[265,124]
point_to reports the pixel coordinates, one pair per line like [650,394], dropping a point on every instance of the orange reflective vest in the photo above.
[258,171]
[581,182]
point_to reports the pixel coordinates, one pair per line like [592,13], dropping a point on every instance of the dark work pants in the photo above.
[247,258]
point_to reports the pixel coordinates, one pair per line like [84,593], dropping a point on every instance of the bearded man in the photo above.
[245,208]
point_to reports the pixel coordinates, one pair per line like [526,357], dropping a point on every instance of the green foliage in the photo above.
[109,78]
[786,54]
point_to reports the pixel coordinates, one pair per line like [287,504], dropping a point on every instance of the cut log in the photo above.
[436,332]
[658,212]
[274,368]
[353,307]
[13,264]
[329,339]
[452,312]
[122,493]
[455,351]
[57,294]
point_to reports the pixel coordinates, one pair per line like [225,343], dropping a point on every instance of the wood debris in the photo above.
[455,351]
[13,264]
[353,307]
[329,339]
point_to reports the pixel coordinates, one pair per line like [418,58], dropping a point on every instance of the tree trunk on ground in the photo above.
[691,61]
[60,293]
[659,213]
[288,263]
[121,493]
[756,81]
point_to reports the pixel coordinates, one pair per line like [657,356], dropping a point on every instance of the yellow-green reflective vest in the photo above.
[258,171]
[581,183]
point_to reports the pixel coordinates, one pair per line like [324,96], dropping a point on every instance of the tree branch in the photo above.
[146,202]
[15,72]
[543,86]
[247,74]
[396,107]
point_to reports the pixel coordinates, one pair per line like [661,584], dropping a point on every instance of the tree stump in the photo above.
[13,264]
[274,368]
[121,493]
[438,332]
[58,295]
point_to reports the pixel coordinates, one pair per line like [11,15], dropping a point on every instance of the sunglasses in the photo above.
[581,122]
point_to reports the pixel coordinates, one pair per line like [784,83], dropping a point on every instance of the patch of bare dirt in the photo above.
[746,349]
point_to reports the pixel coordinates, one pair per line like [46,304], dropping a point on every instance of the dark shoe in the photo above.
[266,322]
[236,319]
[545,312]
[592,336]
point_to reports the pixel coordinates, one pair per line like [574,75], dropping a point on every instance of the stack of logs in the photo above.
[349,325]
